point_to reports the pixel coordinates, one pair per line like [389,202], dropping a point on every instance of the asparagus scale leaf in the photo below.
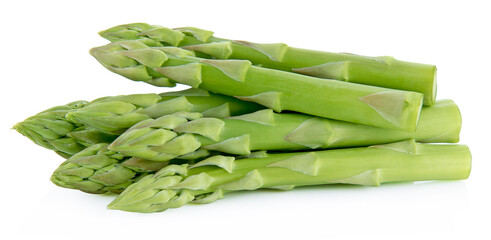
[176,185]
[171,136]
[381,71]
[275,89]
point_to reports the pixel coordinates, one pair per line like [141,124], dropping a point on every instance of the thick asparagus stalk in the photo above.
[70,128]
[171,136]
[275,89]
[378,71]
[207,181]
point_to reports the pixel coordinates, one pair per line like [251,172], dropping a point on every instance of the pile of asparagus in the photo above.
[256,116]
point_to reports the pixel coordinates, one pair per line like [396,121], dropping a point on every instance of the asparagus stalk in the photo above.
[176,185]
[171,136]
[70,128]
[275,89]
[382,71]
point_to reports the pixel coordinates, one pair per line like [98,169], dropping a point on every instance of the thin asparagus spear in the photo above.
[382,71]
[171,136]
[207,181]
[278,90]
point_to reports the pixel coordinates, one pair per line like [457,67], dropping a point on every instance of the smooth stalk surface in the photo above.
[381,71]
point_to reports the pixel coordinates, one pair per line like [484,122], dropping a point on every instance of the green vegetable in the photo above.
[207,181]
[275,89]
[162,151]
[171,136]
[382,71]
[70,128]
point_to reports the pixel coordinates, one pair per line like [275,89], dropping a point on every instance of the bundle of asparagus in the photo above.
[256,116]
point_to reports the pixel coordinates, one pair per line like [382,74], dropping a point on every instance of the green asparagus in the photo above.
[70,128]
[382,71]
[171,136]
[275,89]
[163,151]
[176,185]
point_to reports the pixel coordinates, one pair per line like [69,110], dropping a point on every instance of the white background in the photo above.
[45,62]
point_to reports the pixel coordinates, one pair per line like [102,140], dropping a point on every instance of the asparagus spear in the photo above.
[171,136]
[275,89]
[176,185]
[382,71]
[69,129]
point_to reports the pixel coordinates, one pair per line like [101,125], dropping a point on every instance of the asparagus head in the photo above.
[98,170]
[49,129]
[70,128]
